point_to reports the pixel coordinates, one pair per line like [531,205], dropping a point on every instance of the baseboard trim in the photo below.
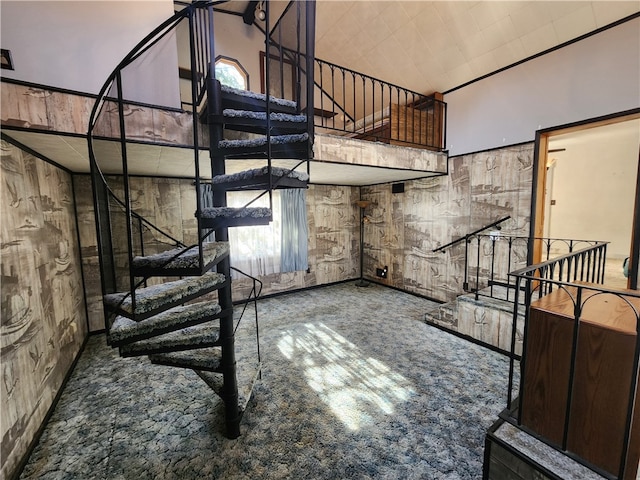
[296,290]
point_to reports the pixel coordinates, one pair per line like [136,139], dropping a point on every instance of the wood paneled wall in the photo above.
[43,109]
[404,228]
[170,204]
[43,315]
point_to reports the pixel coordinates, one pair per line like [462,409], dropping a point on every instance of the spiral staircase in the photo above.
[176,305]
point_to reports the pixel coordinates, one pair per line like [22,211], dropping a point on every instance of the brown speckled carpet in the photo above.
[354,386]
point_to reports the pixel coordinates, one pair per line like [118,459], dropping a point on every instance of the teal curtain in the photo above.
[295,233]
[206,201]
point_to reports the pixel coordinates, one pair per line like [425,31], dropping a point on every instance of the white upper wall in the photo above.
[243,42]
[593,183]
[233,39]
[77,44]
[596,76]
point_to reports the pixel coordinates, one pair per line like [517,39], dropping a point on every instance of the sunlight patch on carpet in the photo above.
[356,388]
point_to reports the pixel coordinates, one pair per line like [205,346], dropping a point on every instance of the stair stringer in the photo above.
[229,390]
[219,98]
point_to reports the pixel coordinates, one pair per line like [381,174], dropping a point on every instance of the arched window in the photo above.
[231,73]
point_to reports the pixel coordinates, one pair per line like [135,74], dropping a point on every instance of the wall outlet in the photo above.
[382,272]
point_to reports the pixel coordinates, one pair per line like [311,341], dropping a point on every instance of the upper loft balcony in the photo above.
[379,141]
[365,131]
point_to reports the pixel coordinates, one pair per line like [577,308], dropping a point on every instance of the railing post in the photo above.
[572,367]
[127,199]
[514,328]
[604,263]
[632,402]
[523,358]
[510,247]
[493,259]
[477,267]
[195,82]
[465,283]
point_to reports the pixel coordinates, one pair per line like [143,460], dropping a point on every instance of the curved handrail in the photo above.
[202,49]
[102,191]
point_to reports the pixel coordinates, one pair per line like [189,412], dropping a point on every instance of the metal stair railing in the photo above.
[466,239]
[289,60]
[254,294]
[106,130]
[112,124]
[569,273]
[495,264]
[355,95]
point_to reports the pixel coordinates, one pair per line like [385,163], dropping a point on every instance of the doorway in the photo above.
[586,182]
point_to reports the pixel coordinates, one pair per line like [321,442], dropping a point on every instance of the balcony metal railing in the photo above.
[490,258]
[575,278]
[355,104]
[360,106]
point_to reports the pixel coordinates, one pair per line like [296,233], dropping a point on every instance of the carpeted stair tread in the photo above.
[258,96]
[261,141]
[247,175]
[215,381]
[126,330]
[197,336]
[231,212]
[179,258]
[245,386]
[155,297]
[254,115]
[207,359]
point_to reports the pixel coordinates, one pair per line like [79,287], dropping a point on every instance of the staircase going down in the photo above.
[176,306]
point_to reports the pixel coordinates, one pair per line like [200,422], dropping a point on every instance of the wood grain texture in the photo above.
[42,309]
[546,372]
[480,188]
[419,127]
[43,109]
[602,379]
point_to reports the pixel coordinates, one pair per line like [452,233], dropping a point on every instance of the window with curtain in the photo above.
[294,230]
[280,246]
[256,249]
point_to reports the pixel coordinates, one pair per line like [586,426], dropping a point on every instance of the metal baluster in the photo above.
[335,102]
[572,368]
[324,124]
[509,268]
[478,267]
[344,96]
[493,258]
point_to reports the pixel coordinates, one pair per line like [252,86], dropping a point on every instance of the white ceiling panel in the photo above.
[449,42]
[156,160]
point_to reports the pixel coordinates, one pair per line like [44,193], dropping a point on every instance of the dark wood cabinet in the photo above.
[602,378]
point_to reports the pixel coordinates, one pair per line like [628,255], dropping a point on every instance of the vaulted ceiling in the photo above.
[436,46]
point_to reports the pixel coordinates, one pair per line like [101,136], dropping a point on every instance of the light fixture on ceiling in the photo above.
[261,14]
